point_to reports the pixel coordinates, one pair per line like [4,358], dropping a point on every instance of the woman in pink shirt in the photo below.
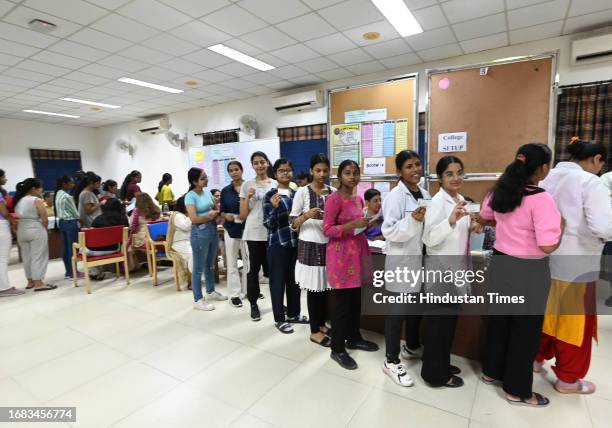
[348,264]
[528,228]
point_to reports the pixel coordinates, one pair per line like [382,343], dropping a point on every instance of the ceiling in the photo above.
[309,41]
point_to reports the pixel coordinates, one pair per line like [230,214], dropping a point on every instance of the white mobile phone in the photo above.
[424,202]
[473,207]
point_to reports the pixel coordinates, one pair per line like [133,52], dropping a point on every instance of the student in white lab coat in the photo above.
[607,180]
[570,322]
[403,229]
[446,236]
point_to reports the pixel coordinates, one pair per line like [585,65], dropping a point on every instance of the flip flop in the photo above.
[584,387]
[298,320]
[490,381]
[326,343]
[541,401]
[46,287]
[28,287]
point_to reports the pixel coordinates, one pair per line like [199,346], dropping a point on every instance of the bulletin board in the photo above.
[499,106]
[386,108]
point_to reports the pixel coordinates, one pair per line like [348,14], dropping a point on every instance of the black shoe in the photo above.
[454,382]
[609,301]
[363,345]
[261,296]
[454,370]
[236,302]
[344,359]
[255,315]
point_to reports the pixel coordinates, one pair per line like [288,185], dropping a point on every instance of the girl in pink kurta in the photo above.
[348,264]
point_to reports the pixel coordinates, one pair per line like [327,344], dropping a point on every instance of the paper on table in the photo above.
[377,138]
[401,135]
[389,138]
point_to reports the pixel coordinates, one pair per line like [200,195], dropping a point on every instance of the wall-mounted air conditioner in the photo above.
[592,49]
[299,102]
[156,126]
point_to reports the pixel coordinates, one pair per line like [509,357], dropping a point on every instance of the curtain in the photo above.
[49,165]
[300,143]
[219,137]
[585,112]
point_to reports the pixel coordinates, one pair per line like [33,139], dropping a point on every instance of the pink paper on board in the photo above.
[366,139]
[362,187]
[444,83]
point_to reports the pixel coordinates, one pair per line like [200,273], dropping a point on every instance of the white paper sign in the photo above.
[452,142]
[374,166]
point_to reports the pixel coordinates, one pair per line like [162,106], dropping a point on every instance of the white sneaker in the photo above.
[215,295]
[203,305]
[411,354]
[397,373]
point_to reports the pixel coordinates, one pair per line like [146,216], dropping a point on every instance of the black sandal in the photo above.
[326,342]
[284,327]
[541,401]
[298,320]
[45,287]
[454,370]
[454,382]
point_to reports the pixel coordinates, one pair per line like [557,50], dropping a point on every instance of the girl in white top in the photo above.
[32,232]
[403,214]
[255,234]
[446,236]
[179,235]
[310,273]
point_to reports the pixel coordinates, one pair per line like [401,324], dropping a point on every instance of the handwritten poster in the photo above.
[389,138]
[374,166]
[377,139]
[366,139]
[346,143]
[401,135]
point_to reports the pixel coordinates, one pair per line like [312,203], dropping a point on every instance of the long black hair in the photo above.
[581,150]
[114,211]
[127,180]
[90,178]
[24,187]
[3,192]
[319,158]
[269,171]
[166,178]
[509,190]
[194,174]
[403,156]
[179,205]
[59,185]
[343,165]
[108,184]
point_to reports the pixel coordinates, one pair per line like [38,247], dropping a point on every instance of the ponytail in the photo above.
[509,190]
[64,179]
[165,180]
[580,150]
[24,187]
[127,180]
[193,174]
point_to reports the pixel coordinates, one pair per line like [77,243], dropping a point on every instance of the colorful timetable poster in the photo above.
[389,138]
[346,143]
[401,135]
[377,139]
[366,139]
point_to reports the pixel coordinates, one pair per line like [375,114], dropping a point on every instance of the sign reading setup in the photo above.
[452,142]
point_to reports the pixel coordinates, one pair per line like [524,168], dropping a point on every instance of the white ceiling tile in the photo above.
[77,50]
[26,74]
[484,43]
[281,85]
[171,45]
[537,14]
[261,78]
[73,10]
[429,39]
[317,65]
[99,40]
[386,31]
[16,49]
[330,44]
[544,31]
[464,10]
[430,18]
[216,89]
[154,14]
[144,54]
[419,4]
[308,80]
[387,49]
[207,58]
[234,20]
[9,59]
[59,90]
[237,84]
[41,93]
[401,60]
[201,34]
[587,22]
[103,71]
[259,90]
[196,8]
[320,4]
[583,7]
[243,47]
[273,60]
[288,72]
[22,16]
[237,95]
[157,73]
[366,67]
[219,98]
[125,28]
[236,69]
[335,74]
[481,27]
[268,39]
[122,63]
[182,66]
[441,52]
[295,53]
[59,60]
[27,37]
[213,76]
[86,78]
[354,56]
[109,4]
[306,27]
[515,4]
[351,13]
[67,83]
[274,11]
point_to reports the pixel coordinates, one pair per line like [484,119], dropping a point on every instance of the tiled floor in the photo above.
[140,356]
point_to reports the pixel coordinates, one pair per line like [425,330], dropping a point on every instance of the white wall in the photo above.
[18,136]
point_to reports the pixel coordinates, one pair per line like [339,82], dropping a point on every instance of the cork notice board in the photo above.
[500,111]
[396,96]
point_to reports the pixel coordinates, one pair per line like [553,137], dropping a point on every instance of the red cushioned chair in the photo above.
[96,238]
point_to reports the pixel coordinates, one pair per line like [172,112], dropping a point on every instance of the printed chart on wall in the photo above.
[346,143]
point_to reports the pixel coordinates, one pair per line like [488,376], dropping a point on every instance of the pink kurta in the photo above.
[348,256]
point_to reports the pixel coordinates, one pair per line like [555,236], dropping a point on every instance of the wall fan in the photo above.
[126,147]
[176,140]
[249,125]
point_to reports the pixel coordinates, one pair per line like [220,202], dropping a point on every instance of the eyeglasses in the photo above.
[450,174]
[284,171]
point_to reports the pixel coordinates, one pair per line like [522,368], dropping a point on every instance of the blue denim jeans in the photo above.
[204,244]
[70,234]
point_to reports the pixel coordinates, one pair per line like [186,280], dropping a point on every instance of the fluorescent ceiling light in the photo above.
[240,57]
[150,85]
[508,59]
[48,113]
[91,103]
[399,16]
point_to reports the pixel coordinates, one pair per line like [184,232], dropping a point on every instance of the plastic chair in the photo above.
[158,250]
[96,238]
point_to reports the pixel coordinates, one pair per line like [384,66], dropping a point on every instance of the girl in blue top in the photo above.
[204,240]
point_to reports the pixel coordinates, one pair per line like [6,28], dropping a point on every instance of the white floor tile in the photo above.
[250,421]
[599,410]
[599,373]
[114,322]
[34,328]
[296,346]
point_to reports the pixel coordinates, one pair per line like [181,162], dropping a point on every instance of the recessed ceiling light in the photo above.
[399,16]
[42,26]
[91,103]
[191,83]
[95,109]
[48,113]
[150,85]
[371,35]
[240,57]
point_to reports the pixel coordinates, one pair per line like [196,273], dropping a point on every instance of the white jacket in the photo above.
[439,237]
[584,203]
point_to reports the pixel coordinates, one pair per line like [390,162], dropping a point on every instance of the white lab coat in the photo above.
[584,203]
[403,235]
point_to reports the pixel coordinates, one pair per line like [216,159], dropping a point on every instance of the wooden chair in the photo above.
[96,238]
[159,250]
